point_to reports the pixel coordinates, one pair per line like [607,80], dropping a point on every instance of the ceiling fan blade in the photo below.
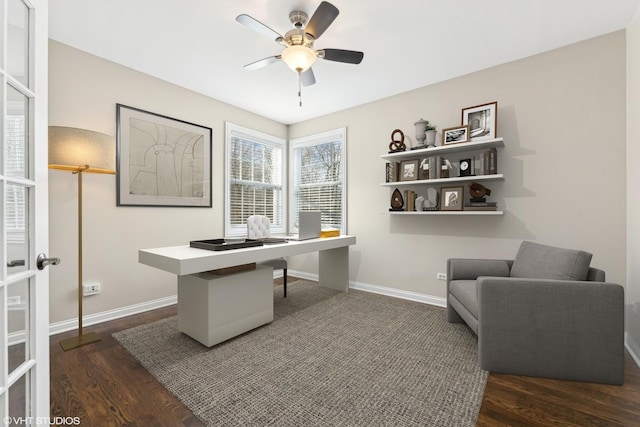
[324,15]
[340,55]
[307,78]
[258,27]
[262,63]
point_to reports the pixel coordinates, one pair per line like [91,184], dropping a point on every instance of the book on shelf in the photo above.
[493,161]
[480,208]
[489,162]
[410,200]
[482,204]
[433,173]
[392,169]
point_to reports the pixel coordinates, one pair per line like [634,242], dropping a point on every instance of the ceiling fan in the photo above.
[298,42]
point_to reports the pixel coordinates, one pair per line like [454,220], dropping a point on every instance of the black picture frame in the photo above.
[161,161]
[482,120]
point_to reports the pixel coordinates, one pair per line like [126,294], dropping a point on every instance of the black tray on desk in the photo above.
[220,245]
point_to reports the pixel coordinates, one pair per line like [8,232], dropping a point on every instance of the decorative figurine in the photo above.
[432,202]
[397,145]
[478,191]
[397,201]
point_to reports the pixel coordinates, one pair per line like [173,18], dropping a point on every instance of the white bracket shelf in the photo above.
[444,181]
[442,150]
[448,213]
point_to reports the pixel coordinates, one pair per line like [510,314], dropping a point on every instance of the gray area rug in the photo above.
[328,359]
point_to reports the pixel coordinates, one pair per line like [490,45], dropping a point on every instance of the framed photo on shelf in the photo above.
[409,170]
[482,121]
[455,135]
[161,161]
[451,198]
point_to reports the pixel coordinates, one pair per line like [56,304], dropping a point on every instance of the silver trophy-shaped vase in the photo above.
[421,128]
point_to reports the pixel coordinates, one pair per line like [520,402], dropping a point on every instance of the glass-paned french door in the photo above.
[24,383]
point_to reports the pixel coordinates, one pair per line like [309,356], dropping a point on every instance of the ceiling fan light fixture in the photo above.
[299,58]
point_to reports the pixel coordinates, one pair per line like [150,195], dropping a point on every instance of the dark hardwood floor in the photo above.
[105,386]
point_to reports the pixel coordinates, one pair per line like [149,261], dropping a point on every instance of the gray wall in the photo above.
[83,92]
[561,114]
[562,117]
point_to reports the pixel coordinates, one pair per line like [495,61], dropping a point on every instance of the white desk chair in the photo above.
[258,228]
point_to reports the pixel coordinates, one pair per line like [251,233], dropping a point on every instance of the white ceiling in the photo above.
[197,44]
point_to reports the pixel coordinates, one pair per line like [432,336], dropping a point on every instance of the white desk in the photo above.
[182,260]
[213,308]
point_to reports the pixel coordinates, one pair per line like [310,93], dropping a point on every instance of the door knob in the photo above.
[42,261]
[15,263]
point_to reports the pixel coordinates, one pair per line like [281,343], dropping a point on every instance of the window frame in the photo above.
[311,140]
[232,129]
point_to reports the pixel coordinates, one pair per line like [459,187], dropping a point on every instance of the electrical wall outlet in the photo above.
[90,289]
[441,276]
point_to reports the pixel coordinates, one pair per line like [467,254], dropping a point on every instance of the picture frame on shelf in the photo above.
[161,161]
[482,121]
[451,198]
[455,135]
[409,170]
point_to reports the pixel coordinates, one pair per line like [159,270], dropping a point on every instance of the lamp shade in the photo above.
[76,149]
[299,58]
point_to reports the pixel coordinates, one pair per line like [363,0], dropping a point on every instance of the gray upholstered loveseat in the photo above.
[546,313]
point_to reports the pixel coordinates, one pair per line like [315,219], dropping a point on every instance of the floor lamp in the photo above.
[80,151]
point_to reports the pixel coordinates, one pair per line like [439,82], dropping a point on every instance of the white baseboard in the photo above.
[382,290]
[398,293]
[633,348]
[105,316]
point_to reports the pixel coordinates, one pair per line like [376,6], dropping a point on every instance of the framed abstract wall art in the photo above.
[161,161]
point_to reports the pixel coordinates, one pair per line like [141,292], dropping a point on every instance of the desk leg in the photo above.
[334,268]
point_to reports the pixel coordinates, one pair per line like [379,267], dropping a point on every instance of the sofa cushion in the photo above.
[466,291]
[534,260]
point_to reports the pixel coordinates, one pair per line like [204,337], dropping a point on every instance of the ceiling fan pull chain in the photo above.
[300,87]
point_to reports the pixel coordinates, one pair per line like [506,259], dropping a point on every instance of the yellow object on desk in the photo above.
[330,232]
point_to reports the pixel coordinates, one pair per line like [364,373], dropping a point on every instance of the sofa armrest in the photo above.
[471,269]
[568,330]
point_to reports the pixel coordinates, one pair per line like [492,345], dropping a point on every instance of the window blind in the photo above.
[319,178]
[254,185]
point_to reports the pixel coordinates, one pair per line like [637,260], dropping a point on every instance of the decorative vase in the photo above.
[431,138]
[421,127]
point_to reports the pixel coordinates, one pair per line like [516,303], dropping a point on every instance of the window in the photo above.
[254,179]
[319,179]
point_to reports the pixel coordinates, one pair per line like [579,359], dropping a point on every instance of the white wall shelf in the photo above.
[445,181]
[443,150]
[449,213]
[464,147]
